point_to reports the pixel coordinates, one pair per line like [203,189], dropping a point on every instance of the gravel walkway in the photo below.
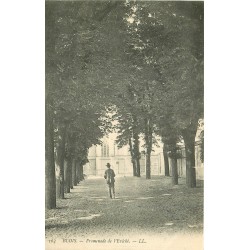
[144,210]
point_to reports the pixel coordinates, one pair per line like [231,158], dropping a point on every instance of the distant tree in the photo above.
[202,146]
[128,134]
[170,137]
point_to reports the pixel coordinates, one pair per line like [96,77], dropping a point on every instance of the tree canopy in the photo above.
[141,60]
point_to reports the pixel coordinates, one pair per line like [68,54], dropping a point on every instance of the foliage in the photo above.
[69,30]
[143,61]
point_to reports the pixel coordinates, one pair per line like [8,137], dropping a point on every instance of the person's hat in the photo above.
[108,164]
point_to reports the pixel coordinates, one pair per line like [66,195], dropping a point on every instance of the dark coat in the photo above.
[109,176]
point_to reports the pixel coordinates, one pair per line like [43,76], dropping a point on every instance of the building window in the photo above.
[105,150]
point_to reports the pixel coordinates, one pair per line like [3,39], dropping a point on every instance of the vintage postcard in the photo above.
[124,127]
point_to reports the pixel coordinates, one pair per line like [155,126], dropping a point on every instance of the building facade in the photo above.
[120,160]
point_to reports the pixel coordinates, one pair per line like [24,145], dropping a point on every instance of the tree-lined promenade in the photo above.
[142,206]
[139,64]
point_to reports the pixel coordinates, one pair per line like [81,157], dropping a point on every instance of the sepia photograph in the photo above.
[124,125]
[104,105]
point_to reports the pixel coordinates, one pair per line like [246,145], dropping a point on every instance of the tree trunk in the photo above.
[134,168]
[60,155]
[50,183]
[148,168]
[78,172]
[190,165]
[58,186]
[67,175]
[165,155]
[138,167]
[148,147]
[131,150]
[81,172]
[174,171]
[189,139]
[74,176]
[73,172]
[137,153]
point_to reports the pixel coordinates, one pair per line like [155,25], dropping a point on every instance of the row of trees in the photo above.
[75,114]
[167,40]
[142,62]
[154,72]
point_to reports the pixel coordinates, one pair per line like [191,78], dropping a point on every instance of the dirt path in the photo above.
[142,207]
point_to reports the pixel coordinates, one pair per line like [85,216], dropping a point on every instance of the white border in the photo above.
[226,124]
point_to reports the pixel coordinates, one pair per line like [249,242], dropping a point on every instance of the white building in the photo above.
[120,160]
